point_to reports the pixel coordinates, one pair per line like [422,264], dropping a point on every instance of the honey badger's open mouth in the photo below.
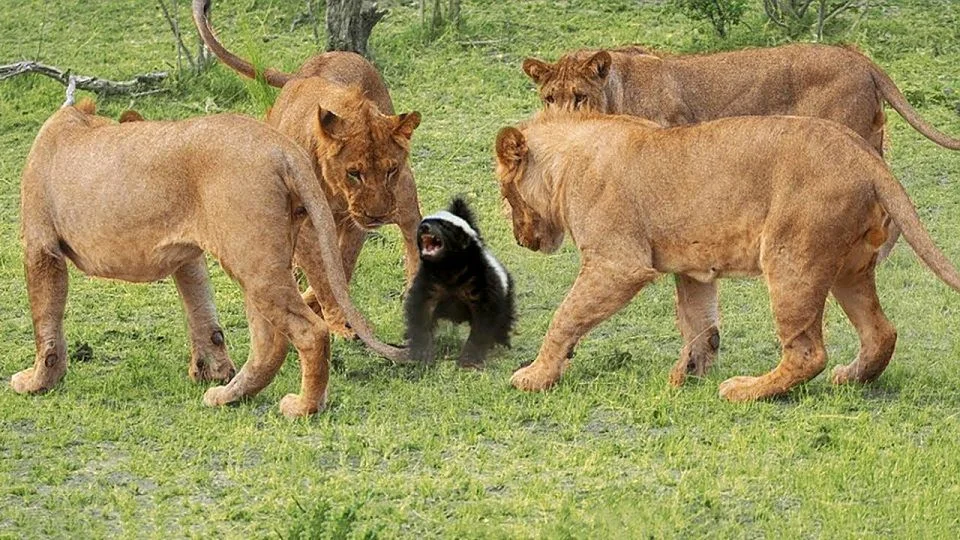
[430,245]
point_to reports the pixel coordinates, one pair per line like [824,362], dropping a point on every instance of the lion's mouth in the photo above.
[430,245]
[370,222]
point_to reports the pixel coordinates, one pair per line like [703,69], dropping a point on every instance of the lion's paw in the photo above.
[27,382]
[740,389]
[210,370]
[842,375]
[217,396]
[678,375]
[533,378]
[342,329]
[294,406]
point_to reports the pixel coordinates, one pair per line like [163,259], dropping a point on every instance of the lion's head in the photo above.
[362,153]
[575,82]
[529,206]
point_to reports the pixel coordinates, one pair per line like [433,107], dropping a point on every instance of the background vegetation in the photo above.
[124,447]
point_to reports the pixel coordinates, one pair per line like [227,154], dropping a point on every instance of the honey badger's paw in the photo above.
[534,378]
[294,406]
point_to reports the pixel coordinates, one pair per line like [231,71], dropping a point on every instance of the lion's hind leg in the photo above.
[47,290]
[277,314]
[857,294]
[798,293]
[209,360]
[268,347]
[697,317]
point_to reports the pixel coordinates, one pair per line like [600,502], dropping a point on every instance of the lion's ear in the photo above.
[598,66]
[86,106]
[538,70]
[130,116]
[511,146]
[327,124]
[406,123]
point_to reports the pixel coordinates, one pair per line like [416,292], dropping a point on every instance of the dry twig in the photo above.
[139,83]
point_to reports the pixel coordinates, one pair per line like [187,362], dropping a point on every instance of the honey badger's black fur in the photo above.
[459,280]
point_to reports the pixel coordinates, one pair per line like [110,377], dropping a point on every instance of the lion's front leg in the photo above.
[601,289]
[209,360]
[408,220]
[697,317]
[319,296]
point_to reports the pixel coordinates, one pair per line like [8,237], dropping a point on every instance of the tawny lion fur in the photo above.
[823,81]
[801,201]
[140,201]
[834,83]
[359,150]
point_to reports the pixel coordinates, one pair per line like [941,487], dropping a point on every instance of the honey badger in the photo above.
[458,280]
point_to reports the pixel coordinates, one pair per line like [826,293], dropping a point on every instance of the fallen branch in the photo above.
[139,83]
[71,90]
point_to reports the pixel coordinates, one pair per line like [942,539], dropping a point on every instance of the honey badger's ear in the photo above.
[327,125]
[598,65]
[406,123]
[511,146]
[538,70]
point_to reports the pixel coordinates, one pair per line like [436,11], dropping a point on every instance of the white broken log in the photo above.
[139,83]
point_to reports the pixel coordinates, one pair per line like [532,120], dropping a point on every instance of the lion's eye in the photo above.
[579,99]
[355,176]
[549,99]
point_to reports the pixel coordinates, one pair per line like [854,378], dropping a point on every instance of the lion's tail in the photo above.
[303,183]
[201,12]
[897,203]
[899,102]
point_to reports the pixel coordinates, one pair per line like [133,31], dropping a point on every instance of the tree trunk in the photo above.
[349,23]
[453,13]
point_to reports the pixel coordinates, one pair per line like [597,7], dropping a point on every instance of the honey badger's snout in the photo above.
[430,240]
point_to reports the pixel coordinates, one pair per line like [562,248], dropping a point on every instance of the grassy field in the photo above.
[124,447]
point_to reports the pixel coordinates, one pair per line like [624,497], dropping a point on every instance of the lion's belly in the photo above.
[128,258]
[707,261]
[118,239]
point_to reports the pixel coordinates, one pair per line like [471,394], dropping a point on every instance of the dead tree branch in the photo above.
[182,49]
[139,83]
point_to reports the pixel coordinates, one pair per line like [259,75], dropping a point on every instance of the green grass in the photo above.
[124,447]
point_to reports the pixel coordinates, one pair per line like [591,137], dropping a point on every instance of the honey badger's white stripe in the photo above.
[456,220]
[491,260]
[497,269]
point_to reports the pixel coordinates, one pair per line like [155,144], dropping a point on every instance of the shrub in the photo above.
[796,17]
[722,14]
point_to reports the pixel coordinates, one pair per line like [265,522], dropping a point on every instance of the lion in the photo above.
[142,200]
[830,82]
[824,81]
[801,201]
[359,151]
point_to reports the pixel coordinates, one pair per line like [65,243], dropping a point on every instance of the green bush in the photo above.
[796,17]
[722,14]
